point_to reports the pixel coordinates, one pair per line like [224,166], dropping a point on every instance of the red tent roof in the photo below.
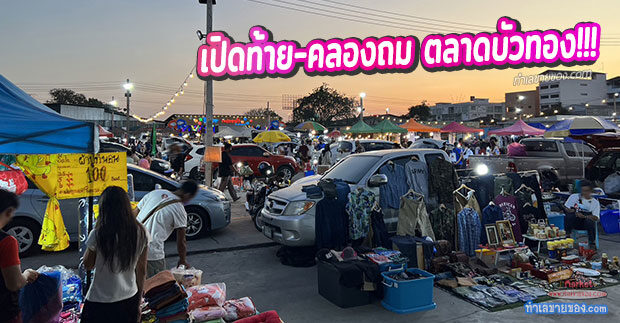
[456,127]
[520,128]
[104,133]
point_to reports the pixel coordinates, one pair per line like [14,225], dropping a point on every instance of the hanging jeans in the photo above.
[411,215]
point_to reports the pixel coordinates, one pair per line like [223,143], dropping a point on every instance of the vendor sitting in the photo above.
[582,212]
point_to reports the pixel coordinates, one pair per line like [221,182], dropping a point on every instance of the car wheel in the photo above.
[27,234]
[197,222]
[195,174]
[286,172]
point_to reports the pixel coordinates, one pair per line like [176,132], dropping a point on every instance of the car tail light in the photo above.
[512,167]
[188,157]
[467,163]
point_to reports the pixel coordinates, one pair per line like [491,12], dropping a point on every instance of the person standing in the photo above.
[326,156]
[583,212]
[145,162]
[177,160]
[162,212]
[12,279]
[226,172]
[358,147]
[117,250]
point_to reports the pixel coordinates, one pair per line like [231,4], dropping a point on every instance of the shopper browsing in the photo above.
[12,278]
[226,172]
[117,250]
[161,212]
[582,212]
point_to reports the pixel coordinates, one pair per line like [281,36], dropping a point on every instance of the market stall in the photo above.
[414,127]
[519,128]
[455,128]
[359,129]
[389,130]
[581,126]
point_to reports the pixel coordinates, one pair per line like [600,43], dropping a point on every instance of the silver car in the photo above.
[209,210]
[288,215]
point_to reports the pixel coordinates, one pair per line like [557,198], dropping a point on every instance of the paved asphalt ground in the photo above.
[245,260]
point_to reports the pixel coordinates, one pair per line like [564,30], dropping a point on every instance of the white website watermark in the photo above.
[564,308]
[521,79]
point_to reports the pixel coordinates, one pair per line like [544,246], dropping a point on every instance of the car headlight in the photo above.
[298,208]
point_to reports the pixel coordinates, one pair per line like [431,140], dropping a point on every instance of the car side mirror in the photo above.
[158,186]
[377,180]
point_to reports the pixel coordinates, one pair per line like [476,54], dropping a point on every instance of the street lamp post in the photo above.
[114,105]
[362,96]
[128,87]
[615,111]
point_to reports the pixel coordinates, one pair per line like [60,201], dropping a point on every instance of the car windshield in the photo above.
[352,169]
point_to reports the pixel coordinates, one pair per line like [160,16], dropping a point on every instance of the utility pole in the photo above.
[268,117]
[208,97]
[362,96]
[128,86]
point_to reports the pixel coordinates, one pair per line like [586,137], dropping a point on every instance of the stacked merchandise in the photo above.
[71,292]
[166,298]
[208,303]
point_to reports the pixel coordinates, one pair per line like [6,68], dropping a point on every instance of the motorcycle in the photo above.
[257,196]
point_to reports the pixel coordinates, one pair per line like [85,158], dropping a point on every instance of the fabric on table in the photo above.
[417,176]
[484,187]
[505,183]
[359,207]
[490,215]
[442,180]
[412,215]
[390,193]
[443,224]
[467,201]
[158,283]
[469,228]
[508,204]
[331,220]
[173,309]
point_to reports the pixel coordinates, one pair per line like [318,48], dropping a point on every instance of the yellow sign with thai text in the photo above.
[82,175]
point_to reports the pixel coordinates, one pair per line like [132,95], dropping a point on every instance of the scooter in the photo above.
[257,196]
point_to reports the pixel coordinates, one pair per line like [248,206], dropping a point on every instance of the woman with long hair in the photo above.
[117,250]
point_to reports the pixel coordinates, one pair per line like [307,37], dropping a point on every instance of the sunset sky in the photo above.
[93,46]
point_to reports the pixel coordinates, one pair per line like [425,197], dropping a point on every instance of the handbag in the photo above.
[13,180]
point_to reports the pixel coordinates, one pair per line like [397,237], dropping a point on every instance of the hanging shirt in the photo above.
[390,193]
[442,221]
[490,215]
[508,204]
[360,206]
[468,231]
[442,180]
[417,176]
[412,215]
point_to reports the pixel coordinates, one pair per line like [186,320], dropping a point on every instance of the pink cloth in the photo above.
[144,163]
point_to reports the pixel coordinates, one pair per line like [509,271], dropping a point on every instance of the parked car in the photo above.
[343,148]
[158,165]
[602,165]
[288,216]
[167,142]
[193,162]
[208,211]
[254,155]
[557,159]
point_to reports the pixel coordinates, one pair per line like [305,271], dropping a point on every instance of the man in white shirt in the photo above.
[162,212]
[582,212]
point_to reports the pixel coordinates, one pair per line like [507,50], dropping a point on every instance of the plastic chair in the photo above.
[577,233]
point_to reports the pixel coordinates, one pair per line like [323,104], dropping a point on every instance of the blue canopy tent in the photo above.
[581,126]
[29,127]
[537,125]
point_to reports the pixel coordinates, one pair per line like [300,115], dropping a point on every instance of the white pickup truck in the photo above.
[554,158]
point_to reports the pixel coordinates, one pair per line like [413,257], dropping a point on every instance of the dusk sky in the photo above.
[93,46]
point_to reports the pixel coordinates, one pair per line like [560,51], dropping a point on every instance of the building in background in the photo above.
[106,116]
[522,103]
[613,91]
[559,90]
[475,109]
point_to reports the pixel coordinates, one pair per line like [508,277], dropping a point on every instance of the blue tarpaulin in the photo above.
[29,127]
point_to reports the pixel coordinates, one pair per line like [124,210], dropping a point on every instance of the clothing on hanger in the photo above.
[469,227]
[417,176]
[412,215]
[508,204]
[443,222]
[360,205]
[390,193]
[442,180]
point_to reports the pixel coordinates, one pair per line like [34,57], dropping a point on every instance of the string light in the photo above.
[180,91]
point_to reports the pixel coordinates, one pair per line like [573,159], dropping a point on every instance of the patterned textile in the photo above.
[508,204]
[412,215]
[468,201]
[359,208]
[443,180]
[442,221]
[469,228]
[395,188]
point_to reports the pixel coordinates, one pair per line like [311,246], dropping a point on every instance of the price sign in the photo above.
[81,175]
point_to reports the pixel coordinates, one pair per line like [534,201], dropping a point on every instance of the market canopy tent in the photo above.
[361,127]
[386,126]
[104,133]
[519,128]
[29,127]
[227,132]
[414,126]
[310,126]
[456,127]
[581,126]
[271,136]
